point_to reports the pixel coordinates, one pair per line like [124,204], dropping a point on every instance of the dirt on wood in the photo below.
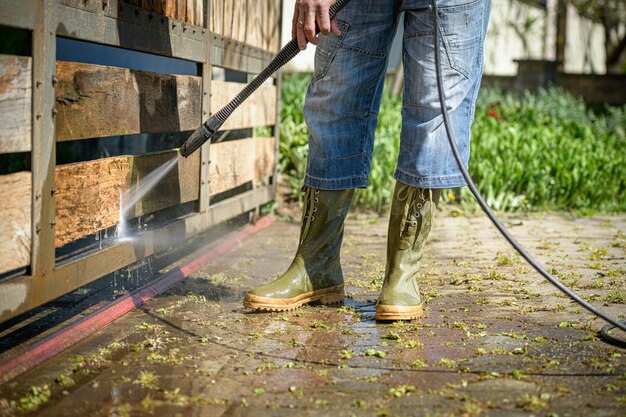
[15,221]
[99,101]
[15,103]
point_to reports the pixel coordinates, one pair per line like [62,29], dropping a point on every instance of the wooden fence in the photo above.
[48,206]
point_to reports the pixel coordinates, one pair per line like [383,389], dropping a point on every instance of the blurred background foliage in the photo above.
[543,151]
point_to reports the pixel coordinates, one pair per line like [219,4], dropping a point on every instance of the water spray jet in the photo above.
[130,197]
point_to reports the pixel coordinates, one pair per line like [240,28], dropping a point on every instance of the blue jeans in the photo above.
[343,99]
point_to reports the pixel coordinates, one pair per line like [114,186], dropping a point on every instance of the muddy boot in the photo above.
[412,211]
[315,273]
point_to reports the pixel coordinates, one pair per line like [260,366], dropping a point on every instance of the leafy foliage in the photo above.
[541,151]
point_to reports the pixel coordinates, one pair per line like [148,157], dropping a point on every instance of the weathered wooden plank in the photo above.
[195,12]
[205,150]
[184,10]
[227,54]
[18,13]
[130,27]
[259,23]
[181,185]
[99,101]
[217,16]
[43,152]
[268,24]
[258,20]
[274,25]
[15,221]
[158,6]
[88,193]
[227,12]
[255,23]
[181,10]
[241,22]
[190,12]
[199,12]
[88,196]
[15,103]
[22,294]
[238,162]
[94,7]
[170,8]
[258,110]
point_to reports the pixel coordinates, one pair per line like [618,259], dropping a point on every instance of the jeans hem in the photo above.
[336,184]
[448,181]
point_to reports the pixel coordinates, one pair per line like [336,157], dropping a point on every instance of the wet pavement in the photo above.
[496,340]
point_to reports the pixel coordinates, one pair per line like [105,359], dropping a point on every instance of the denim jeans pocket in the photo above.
[327,49]
[461,27]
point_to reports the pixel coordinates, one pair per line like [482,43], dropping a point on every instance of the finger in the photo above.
[294,22]
[334,28]
[309,25]
[323,20]
[300,31]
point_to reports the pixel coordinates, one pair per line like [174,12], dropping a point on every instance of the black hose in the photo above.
[605,334]
[481,201]
[290,50]
[210,127]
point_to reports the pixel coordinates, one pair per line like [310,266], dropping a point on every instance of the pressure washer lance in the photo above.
[212,125]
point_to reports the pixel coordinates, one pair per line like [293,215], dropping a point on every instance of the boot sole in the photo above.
[332,295]
[390,312]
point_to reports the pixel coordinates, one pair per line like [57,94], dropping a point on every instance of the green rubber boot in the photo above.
[315,273]
[412,212]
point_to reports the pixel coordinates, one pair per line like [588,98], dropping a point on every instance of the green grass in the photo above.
[544,151]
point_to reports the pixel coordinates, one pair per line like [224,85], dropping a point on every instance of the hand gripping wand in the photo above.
[211,126]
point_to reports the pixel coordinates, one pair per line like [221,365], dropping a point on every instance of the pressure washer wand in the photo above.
[210,127]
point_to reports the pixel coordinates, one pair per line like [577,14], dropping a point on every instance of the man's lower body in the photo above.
[341,111]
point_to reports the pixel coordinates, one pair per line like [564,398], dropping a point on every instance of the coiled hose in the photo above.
[210,127]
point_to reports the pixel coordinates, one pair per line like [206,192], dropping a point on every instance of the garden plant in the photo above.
[543,151]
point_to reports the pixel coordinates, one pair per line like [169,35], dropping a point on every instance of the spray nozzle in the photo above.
[203,134]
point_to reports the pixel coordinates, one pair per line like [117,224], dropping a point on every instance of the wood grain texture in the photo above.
[258,110]
[99,101]
[256,23]
[183,10]
[88,193]
[199,12]
[238,162]
[15,221]
[181,185]
[217,16]
[15,103]
[170,9]
[88,196]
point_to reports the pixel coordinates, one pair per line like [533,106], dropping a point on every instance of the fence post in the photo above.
[43,155]
[205,160]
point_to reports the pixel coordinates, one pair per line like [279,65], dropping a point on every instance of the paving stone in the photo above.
[496,339]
